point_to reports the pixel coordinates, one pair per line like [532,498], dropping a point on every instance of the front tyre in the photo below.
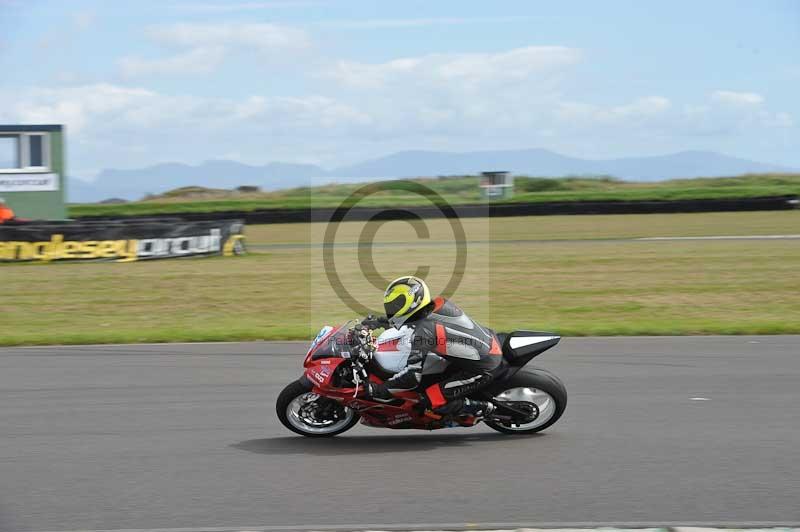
[540,392]
[312,415]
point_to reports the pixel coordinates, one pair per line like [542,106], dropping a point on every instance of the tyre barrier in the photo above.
[272,216]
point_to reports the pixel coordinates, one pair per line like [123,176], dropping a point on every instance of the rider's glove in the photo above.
[356,335]
[375,322]
[360,339]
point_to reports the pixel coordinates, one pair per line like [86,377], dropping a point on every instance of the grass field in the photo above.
[580,287]
[457,190]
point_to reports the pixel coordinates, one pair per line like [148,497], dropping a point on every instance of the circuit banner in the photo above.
[32,182]
[119,240]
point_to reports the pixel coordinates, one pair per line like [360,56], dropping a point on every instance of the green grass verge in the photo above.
[573,288]
[461,190]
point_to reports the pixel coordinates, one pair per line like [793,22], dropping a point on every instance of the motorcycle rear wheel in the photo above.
[536,387]
[295,397]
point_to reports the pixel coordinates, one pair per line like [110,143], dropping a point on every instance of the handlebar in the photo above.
[358,348]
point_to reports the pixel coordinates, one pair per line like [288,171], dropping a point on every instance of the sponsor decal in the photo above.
[399,418]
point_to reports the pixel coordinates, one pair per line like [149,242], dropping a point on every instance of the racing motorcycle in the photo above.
[327,400]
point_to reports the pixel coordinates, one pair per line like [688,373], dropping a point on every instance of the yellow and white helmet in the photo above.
[404,297]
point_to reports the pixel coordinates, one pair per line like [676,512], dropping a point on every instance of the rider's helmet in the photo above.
[404,297]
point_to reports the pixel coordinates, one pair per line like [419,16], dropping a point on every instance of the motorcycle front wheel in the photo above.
[312,415]
[537,391]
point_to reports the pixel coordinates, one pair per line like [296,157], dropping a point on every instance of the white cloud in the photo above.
[83,20]
[112,126]
[458,71]
[75,106]
[524,92]
[638,112]
[455,95]
[205,46]
[727,113]
[737,98]
[299,113]
[265,38]
[370,24]
[523,97]
[648,106]
[201,60]
[248,6]
[780,119]
[723,114]
[92,108]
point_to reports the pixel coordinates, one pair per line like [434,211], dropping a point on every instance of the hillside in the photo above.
[455,190]
[135,183]
[684,164]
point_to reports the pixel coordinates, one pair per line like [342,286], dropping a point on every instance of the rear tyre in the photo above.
[312,415]
[531,387]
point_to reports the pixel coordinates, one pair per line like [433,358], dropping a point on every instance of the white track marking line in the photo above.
[163,344]
[637,526]
[712,529]
[722,237]
[700,399]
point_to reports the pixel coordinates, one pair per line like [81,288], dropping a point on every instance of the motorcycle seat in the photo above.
[519,347]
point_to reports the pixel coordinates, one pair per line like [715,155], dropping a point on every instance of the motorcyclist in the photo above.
[442,329]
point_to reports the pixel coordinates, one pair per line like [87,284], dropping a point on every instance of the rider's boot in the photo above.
[476,408]
[378,392]
[471,408]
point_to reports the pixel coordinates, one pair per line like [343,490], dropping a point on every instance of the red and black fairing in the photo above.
[326,347]
[328,374]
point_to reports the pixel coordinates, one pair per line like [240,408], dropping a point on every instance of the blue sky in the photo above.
[333,83]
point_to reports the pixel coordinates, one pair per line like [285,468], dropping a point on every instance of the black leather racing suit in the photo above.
[444,329]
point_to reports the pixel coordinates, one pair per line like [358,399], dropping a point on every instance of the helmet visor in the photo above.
[394,306]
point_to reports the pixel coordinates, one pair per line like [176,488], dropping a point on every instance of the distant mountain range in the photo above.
[133,184]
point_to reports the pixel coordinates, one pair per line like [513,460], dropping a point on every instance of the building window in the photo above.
[24,152]
[9,152]
[36,150]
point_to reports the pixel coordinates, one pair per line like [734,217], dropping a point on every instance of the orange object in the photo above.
[6,214]
[441,340]
[496,349]
[435,396]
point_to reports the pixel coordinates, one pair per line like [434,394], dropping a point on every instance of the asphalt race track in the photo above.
[703,429]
